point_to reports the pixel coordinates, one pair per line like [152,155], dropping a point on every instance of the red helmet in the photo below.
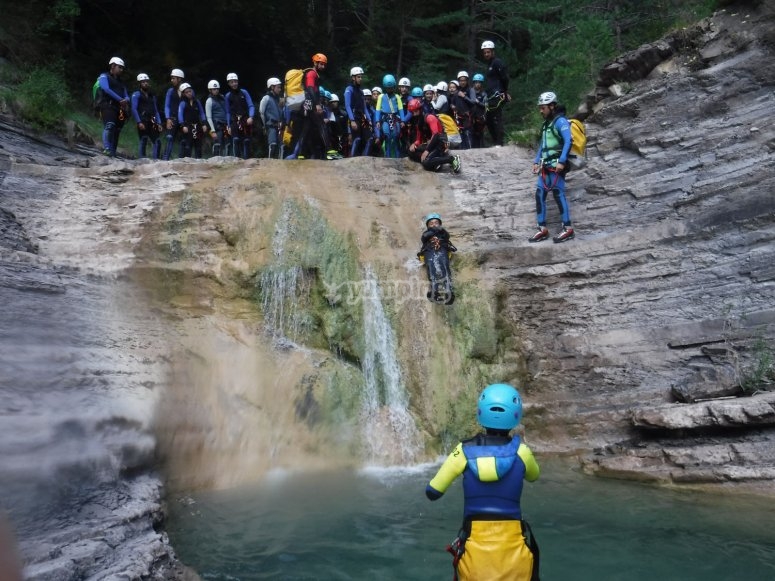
[414,105]
[320,58]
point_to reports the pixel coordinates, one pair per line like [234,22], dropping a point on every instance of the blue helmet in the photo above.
[416,92]
[500,407]
[389,82]
[478,77]
[433,216]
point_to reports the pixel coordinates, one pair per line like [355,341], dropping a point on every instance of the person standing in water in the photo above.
[494,543]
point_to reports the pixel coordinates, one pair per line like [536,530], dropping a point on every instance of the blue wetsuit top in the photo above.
[493,469]
[145,108]
[239,103]
[113,89]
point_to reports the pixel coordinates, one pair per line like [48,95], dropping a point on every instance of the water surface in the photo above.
[376,524]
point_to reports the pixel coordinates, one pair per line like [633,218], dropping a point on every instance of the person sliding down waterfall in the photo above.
[435,252]
[494,543]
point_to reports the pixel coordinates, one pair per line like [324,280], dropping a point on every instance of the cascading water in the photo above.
[389,429]
[281,285]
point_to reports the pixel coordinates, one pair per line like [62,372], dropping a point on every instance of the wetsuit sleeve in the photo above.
[427,235]
[156,111]
[135,112]
[262,108]
[348,95]
[181,112]
[105,86]
[503,75]
[378,116]
[209,113]
[452,468]
[532,471]
[249,101]
[168,114]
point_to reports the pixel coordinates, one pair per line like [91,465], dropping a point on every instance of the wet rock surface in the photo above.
[635,337]
[81,360]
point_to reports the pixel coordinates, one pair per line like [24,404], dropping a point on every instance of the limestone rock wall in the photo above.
[667,293]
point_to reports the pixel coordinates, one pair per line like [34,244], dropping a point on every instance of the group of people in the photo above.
[379,121]
[393,120]
[227,118]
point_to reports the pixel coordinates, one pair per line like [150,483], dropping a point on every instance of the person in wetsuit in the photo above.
[550,164]
[113,105]
[494,543]
[145,110]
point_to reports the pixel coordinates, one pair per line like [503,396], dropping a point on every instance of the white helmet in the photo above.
[462,74]
[184,86]
[271,82]
[377,89]
[453,82]
[428,87]
[143,77]
[547,98]
[177,73]
[232,77]
[442,86]
[404,82]
[356,71]
[334,98]
[488,44]
[117,61]
[367,93]
[213,84]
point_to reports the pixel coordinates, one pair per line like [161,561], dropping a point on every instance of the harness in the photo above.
[544,170]
[494,101]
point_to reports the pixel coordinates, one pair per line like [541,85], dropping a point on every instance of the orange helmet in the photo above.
[320,58]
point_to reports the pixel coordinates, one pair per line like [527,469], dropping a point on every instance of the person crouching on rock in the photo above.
[494,541]
[430,146]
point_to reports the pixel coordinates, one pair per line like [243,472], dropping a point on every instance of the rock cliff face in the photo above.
[666,294]
[644,347]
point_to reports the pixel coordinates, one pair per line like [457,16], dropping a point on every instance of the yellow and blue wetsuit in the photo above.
[494,468]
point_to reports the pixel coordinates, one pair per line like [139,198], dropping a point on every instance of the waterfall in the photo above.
[389,429]
[282,286]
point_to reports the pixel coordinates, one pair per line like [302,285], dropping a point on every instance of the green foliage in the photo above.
[761,372]
[305,292]
[41,98]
